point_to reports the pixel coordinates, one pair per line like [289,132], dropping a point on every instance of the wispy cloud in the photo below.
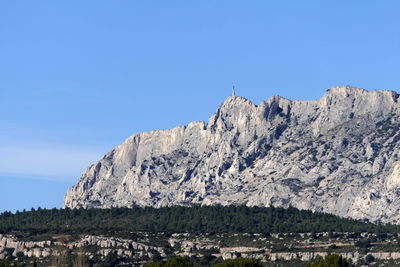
[57,162]
[56,91]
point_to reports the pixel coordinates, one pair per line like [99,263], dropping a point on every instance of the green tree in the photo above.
[369,258]
[178,262]
[364,243]
[173,262]
[154,264]
[239,263]
[332,260]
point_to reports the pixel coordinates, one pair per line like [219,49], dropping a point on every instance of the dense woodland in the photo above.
[196,219]
[332,260]
[329,261]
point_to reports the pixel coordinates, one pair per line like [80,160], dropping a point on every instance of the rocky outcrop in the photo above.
[296,247]
[338,154]
[105,245]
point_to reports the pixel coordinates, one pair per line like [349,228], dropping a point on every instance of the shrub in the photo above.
[332,260]
[239,263]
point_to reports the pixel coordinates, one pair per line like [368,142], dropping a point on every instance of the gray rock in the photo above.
[338,154]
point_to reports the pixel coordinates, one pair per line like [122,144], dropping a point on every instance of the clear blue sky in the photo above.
[78,77]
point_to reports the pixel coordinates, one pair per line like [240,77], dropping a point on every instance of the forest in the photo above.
[179,219]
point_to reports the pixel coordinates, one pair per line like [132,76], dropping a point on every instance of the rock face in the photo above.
[105,245]
[339,154]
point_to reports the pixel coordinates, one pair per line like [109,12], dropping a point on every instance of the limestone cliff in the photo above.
[339,154]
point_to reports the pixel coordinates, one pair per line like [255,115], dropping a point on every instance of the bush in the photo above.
[183,262]
[332,260]
[173,262]
[239,263]
[178,262]
[333,246]
[5,263]
[366,243]
[369,258]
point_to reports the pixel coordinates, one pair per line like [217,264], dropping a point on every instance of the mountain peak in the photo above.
[345,91]
[350,91]
[234,103]
[233,99]
[336,154]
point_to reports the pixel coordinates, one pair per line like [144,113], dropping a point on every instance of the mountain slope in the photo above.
[338,154]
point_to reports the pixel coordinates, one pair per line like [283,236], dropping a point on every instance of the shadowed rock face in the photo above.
[339,154]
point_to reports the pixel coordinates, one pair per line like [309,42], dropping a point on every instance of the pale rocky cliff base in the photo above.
[338,154]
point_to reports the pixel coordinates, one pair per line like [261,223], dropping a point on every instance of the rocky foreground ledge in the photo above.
[301,247]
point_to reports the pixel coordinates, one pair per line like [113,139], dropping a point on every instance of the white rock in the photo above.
[338,154]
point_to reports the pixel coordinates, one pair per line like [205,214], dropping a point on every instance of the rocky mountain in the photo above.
[338,154]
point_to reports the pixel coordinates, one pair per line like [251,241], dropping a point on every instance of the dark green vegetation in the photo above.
[208,219]
[5,263]
[239,263]
[331,261]
[267,230]
[183,262]
[178,262]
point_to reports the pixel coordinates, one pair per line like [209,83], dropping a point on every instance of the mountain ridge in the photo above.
[336,154]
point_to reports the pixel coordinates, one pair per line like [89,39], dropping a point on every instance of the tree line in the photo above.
[196,219]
